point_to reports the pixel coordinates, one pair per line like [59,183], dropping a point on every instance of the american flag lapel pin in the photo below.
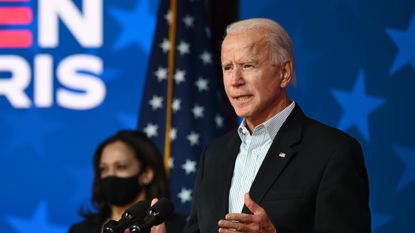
[282,155]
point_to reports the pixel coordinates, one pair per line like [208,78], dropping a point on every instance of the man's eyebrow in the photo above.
[252,61]
[225,65]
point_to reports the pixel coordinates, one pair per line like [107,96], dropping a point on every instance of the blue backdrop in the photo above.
[355,64]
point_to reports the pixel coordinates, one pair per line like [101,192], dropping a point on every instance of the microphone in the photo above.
[155,216]
[136,212]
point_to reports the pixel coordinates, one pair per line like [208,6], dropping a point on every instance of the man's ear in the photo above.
[287,72]
[146,177]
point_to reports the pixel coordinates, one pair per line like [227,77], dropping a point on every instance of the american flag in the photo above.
[196,103]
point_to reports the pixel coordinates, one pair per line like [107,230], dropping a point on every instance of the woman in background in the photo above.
[127,169]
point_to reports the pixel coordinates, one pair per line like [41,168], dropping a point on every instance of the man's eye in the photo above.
[226,68]
[248,66]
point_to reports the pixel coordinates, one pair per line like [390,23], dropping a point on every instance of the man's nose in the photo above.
[237,77]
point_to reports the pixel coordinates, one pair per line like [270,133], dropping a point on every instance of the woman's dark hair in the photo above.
[146,153]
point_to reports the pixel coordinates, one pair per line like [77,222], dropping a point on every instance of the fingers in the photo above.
[159,228]
[252,205]
[240,222]
[226,226]
[242,218]
[236,222]
[154,201]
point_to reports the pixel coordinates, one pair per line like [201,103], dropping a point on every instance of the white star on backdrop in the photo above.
[156,102]
[198,111]
[202,84]
[165,45]
[168,16]
[173,134]
[184,48]
[179,76]
[193,138]
[171,162]
[176,104]
[206,57]
[185,195]
[219,121]
[189,166]
[188,21]
[161,73]
[151,130]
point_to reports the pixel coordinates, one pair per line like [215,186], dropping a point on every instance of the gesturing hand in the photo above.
[240,222]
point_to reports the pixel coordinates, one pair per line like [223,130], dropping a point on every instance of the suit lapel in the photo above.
[278,156]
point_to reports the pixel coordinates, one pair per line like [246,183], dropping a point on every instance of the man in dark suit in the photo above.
[280,171]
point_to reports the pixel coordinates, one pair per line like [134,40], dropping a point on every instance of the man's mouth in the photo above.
[242,98]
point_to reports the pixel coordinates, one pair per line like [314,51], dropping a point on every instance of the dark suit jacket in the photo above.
[321,185]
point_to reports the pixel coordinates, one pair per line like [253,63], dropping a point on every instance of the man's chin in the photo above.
[242,113]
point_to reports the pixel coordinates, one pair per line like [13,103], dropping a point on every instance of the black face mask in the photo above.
[120,191]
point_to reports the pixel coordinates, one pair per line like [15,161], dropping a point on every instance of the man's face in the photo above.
[252,82]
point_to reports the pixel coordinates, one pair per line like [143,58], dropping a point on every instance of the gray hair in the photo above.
[278,39]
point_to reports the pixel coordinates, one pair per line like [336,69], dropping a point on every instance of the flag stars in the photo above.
[165,45]
[179,76]
[405,43]
[173,134]
[140,16]
[38,222]
[202,84]
[206,57]
[357,106]
[189,166]
[185,195]
[151,130]
[193,98]
[198,111]
[156,102]
[161,73]
[193,138]
[208,33]
[176,105]
[219,121]
[407,156]
[168,17]
[171,162]
[183,48]
[188,21]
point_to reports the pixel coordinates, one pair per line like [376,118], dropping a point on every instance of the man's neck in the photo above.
[253,122]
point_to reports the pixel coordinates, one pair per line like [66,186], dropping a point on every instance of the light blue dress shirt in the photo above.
[252,152]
